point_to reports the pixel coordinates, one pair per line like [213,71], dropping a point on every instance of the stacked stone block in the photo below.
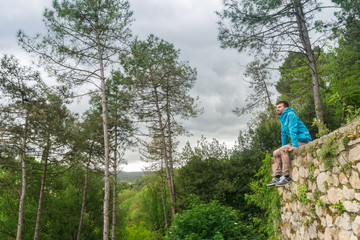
[323,200]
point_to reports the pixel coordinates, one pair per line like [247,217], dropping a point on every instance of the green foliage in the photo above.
[257,25]
[302,193]
[223,178]
[312,170]
[346,166]
[342,70]
[141,205]
[322,126]
[154,73]
[218,179]
[345,140]
[74,25]
[312,150]
[347,16]
[208,221]
[317,195]
[205,150]
[267,199]
[321,203]
[61,206]
[263,135]
[339,206]
[295,82]
[8,196]
[328,151]
[139,232]
[212,179]
[352,113]
[152,206]
[313,210]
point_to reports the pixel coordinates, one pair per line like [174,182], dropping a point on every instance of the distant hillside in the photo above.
[129,176]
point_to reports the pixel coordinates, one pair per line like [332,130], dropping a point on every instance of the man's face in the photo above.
[280,108]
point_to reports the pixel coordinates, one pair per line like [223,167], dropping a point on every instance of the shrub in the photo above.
[267,199]
[136,232]
[208,221]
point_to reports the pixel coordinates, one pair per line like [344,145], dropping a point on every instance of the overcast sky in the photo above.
[188,24]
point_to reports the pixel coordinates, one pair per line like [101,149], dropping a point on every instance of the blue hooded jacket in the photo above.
[293,127]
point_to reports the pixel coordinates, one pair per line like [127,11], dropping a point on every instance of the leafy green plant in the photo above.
[352,113]
[345,140]
[312,150]
[323,130]
[317,194]
[266,198]
[311,176]
[338,206]
[135,232]
[313,210]
[345,167]
[311,168]
[302,193]
[321,203]
[208,221]
[328,151]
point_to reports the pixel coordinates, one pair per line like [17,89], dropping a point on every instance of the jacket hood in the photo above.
[286,112]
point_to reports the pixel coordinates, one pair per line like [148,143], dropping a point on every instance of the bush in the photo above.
[208,221]
[140,232]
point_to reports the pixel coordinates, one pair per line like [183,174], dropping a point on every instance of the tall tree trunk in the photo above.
[304,36]
[106,160]
[164,150]
[42,190]
[114,183]
[83,198]
[170,141]
[163,196]
[106,142]
[23,177]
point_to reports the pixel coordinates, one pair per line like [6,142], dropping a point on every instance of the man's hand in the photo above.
[291,149]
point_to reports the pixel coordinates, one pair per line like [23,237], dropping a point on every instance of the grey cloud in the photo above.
[20,15]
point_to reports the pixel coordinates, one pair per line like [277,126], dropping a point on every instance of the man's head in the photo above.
[281,105]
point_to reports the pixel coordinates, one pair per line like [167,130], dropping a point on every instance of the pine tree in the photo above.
[161,84]
[82,43]
[271,28]
[18,86]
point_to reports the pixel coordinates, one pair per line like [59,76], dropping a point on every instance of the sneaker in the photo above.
[283,180]
[274,181]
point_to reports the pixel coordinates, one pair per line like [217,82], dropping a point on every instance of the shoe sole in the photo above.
[272,184]
[282,184]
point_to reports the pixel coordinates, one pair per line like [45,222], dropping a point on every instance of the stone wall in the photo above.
[323,200]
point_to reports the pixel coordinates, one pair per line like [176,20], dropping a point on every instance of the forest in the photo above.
[59,170]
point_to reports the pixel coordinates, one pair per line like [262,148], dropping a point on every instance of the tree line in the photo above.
[58,169]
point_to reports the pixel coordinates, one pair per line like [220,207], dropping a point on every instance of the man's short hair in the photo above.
[286,104]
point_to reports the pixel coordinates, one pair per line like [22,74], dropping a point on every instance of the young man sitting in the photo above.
[293,127]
